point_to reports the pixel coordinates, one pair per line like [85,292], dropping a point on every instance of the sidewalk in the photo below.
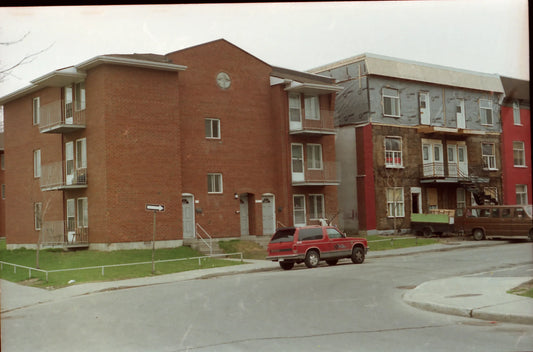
[476,297]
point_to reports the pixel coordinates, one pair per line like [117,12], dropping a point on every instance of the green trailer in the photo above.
[428,225]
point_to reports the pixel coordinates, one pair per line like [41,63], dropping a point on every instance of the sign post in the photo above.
[155,208]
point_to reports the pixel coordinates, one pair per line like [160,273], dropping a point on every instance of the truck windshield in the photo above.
[283,235]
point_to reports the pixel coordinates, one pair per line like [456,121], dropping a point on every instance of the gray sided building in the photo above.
[413,138]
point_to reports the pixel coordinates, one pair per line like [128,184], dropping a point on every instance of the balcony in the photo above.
[62,176]
[310,127]
[327,176]
[64,233]
[58,118]
[451,173]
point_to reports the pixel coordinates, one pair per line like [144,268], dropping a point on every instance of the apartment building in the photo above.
[516,142]
[228,144]
[413,137]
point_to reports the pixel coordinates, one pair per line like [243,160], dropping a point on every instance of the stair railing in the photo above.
[198,235]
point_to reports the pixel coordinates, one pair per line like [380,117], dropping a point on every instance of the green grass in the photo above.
[249,249]
[526,289]
[388,242]
[56,259]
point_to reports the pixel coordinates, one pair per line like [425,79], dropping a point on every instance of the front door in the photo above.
[423,101]
[245,223]
[269,215]
[68,106]
[460,114]
[462,160]
[452,161]
[187,208]
[69,163]
[295,112]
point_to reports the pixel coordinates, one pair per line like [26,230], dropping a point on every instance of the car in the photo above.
[311,244]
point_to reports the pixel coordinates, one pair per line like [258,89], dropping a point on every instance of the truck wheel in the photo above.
[358,255]
[311,259]
[286,265]
[478,234]
[427,232]
[332,261]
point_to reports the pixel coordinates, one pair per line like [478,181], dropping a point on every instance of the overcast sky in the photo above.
[488,36]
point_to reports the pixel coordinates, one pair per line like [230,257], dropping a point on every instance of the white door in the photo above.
[462,160]
[69,163]
[295,112]
[187,208]
[297,156]
[245,223]
[452,161]
[438,159]
[68,106]
[71,220]
[269,215]
[299,214]
[432,159]
[423,101]
[460,114]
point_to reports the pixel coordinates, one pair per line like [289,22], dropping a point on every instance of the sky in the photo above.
[489,36]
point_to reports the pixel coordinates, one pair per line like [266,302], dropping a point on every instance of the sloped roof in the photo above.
[422,72]
[516,89]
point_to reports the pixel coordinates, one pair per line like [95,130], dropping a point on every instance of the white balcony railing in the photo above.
[60,176]
[55,119]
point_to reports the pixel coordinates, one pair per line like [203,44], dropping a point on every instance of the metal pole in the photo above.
[153,248]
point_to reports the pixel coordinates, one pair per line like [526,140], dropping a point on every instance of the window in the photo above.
[36,111]
[81,154]
[395,204]
[295,107]
[316,205]
[71,215]
[37,163]
[297,158]
[37,212]
[83,213]
[68,104]
[314,156]
[298,202]
[312,107]
[310,234]
[334,233]
[521,194]
[212,128]
[519,154]
[214,183]
[516,113]
[3,191]
[391,102]
[393,152]
[488,155]
[80,96]
[485,111]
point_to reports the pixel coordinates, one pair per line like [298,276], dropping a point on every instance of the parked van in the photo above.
[486,221]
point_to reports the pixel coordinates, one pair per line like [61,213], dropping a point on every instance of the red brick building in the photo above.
[516,142]
[226,142]
[2,186]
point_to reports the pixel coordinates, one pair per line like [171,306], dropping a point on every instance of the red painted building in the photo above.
[516,142]
[227,143]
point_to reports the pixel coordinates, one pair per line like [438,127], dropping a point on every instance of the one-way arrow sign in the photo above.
[155,207]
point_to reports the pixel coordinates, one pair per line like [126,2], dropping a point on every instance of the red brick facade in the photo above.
[142,140]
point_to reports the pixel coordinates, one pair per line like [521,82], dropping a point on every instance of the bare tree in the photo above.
[6,71]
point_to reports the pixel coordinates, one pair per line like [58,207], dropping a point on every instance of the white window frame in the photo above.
[36,111]
[521,194]
[295,108]
[391,155]
[395,206]
[489,160]
[37,163]
[81,153]
[212,132]
[316,206]
[393,95]
[301,210]
[519,149]
[38,215]
[314,157]
[516,114]
[82,213]
[312,107]
[214,183]
[79,93]
[485,112]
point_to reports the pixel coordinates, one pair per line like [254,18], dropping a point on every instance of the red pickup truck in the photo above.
[311,244]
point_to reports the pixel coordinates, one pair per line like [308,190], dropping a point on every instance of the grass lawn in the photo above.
[382,243]
[526,289]
[55,259]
